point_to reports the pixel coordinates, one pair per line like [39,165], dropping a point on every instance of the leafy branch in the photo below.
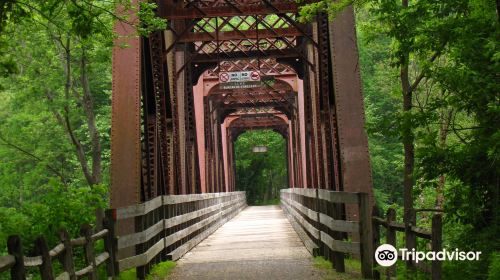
[8,143]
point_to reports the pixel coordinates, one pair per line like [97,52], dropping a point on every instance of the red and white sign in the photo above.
[224,77]
[238,77]
[255,76]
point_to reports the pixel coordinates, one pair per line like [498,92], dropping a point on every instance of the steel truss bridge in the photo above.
[175,119]
[174,123]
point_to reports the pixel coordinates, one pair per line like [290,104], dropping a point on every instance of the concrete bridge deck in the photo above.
[259,243]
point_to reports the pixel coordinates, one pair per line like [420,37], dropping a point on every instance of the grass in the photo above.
[127,275]
[352,268]
[158,272]
[161,270]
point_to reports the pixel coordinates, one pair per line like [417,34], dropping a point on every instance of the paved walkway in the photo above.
[259,243]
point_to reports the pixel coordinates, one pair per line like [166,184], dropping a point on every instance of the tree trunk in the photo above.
[66,122]
[408,138]
[498,10]
[93,177]
[443,135]
[88,107]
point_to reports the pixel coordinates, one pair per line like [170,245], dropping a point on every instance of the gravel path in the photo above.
[259,243]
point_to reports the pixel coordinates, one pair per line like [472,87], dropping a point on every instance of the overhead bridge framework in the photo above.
[174,124]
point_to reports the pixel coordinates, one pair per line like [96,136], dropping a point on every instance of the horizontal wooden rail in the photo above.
[338,197]
[340,246]
[6,262]
[169,226]
[166,227]
[338,225]
[17,263]
[323,230]
[147,207]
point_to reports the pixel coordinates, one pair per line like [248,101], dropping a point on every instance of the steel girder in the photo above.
[125,128]
[208,33]
[352,137]
[178,12]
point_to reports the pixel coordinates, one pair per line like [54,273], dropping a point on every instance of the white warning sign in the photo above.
[237,77]
[238,80]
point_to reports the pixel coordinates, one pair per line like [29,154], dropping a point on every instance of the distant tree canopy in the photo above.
[261,175]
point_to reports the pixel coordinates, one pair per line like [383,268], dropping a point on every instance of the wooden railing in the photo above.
[165,229]
[411,232]
[318,218]
[169,226]
[18,263]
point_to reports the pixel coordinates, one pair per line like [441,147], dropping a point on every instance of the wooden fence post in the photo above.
[391,238]
[338,257]
[376,237]
[164,232]
[321,207]
[42,249]
[110,244]
[410,239]
[437,245]
[140,248]
[66,258]
[365,236]
[15,248]
[99,219]
[86,232]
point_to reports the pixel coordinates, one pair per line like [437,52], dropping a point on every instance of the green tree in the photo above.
[446,53]
[261,175]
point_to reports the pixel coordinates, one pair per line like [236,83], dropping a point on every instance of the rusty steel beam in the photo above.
[288,53]
[149,132]
[349,104]
[273,98]
[193,179]
[126,120]
[176,12]
[315,112]
[236,35]
[255,104]
[156,44]
[353,140]
[327,129]
[311,151]
[172,121]
[258,122]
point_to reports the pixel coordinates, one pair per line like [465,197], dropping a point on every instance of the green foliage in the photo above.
[149,21]
[494,269]
[321,262]
[81,18]
[161,270]
[54,207]
[261,175]
[158,272]
[353,267]
[41,180]
[130,274]
[332,8]
[382,102]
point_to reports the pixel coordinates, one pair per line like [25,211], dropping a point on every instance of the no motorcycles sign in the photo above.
[241,79]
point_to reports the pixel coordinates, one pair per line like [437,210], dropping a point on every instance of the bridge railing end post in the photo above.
[365,236]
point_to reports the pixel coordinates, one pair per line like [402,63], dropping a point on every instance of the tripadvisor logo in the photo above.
[387,255]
